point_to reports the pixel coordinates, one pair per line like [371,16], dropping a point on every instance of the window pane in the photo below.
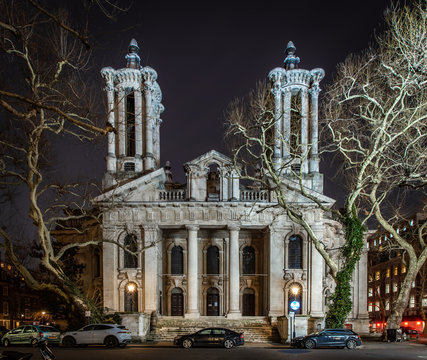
[212,261]
[130,260]
[248,260]
[177,261]
[295,252]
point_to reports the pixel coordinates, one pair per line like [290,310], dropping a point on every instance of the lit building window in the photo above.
[387,305]
[5,308]
[413,284]
[412,301]
[388,272]
[387,288]
[395,270]
[424,301]
[378,290]
[377,275]
[370,292]
[375,242]
[394,287]
[370,307]
[377,305]
[403,269]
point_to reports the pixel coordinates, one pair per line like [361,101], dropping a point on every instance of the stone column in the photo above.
[304,131]
[362,267]
[111,156]
[276,256]
[109,267]
[121,122]
[192,273]
[157,142]
[314,130]
[286,130]
[234,282]
[317,267]
[223,173]
[235,191]
[149,121]
[150,268]
[138,130]
[277,127]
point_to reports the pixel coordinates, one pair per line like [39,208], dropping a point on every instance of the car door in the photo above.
[202,338]
[15,336]
[217,336]
[338,338]
[85,335]
[29,333]
[323,339]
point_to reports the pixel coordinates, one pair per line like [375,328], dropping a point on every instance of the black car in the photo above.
[327,338]
[211,336]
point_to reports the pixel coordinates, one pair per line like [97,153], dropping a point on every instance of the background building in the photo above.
[386,270]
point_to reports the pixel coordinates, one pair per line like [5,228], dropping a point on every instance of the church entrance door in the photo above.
[212,299]
[248,303]
[177,303]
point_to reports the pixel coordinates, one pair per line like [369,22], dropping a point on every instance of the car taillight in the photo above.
[241,335]
[40,334]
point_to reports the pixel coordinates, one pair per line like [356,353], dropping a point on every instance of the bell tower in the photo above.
[134,107]
[296,93]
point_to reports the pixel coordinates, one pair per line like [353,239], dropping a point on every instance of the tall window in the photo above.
[130,260]
[295,252]
[177,261]
[212,261]
[248,266]
[130,124]
[131,297]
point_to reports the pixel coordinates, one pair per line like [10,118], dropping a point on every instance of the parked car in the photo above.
[3,331]
[211,336]
[111,335]
[31,334]
[328,338]
[413,333]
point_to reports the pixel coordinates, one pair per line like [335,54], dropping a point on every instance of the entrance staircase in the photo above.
[255,329]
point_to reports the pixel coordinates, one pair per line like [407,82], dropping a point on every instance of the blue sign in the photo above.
[295,305]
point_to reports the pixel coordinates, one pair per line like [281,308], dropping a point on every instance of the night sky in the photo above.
[208,54]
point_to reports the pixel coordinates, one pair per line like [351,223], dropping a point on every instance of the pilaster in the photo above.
[234,282]
[275,272]
[192,274]
[150,268]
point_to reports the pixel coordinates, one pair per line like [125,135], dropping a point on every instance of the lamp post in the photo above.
[131,289]
[295,305]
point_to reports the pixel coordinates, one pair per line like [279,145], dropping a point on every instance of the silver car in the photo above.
[111,335]
[31,334]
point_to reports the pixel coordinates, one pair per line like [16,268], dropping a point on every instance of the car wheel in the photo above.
[111,342]
[228,344]
[69,341]
[187,343]
[6,343]
[34,342]
[351,344]
[310,344]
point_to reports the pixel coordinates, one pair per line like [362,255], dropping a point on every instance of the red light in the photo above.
[378,324]
[405,323]
[418,322]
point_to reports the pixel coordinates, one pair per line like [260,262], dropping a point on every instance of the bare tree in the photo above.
[375,125]
[45,95]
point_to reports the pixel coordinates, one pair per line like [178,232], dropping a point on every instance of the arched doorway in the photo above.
[131,297]
[248,302]
[177,302]
[212,302]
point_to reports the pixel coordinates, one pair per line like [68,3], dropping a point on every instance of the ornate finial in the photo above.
[132,58]
[291,61]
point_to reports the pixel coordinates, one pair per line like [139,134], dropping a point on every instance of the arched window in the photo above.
[212,183]
[131,297]
[130,260]
[212,267]
[295,252]
[177,261]
[248,261]
[130,124]
[295,298]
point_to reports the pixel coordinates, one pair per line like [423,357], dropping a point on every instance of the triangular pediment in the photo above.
[210,158]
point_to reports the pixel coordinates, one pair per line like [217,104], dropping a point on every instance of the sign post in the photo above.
[295,305]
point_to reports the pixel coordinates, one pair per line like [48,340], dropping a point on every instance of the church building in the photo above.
[213,251]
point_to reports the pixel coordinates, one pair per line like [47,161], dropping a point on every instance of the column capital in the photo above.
[150,227]
[233,227]
[192,227]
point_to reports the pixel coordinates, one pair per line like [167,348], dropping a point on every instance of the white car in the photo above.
[111,335]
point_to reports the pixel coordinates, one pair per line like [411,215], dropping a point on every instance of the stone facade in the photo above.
[211,248]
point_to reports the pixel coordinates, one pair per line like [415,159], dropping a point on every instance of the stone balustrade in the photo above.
[254,195]
[172,195]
